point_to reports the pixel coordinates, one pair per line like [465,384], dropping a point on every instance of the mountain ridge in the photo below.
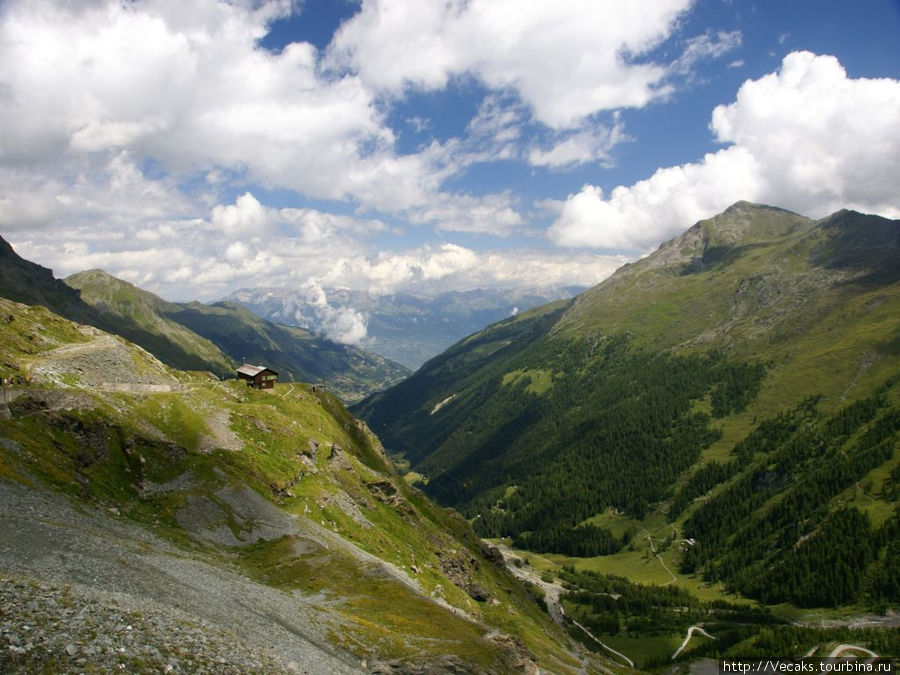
[232,529]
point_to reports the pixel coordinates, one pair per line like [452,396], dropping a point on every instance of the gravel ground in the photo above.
[83,591]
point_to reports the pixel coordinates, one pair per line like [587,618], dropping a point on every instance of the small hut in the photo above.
[258,377]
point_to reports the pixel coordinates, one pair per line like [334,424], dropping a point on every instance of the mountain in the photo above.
[733,397]
[31,284]
[142,318]
[159,520]
[214,337]
[295,353]
[404,327]
[193,336]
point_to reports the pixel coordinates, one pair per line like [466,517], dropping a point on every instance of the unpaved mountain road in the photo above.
[103,361]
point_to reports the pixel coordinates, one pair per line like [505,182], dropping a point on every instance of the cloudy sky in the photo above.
[194,148]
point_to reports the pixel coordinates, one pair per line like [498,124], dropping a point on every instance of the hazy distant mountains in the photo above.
[403,327]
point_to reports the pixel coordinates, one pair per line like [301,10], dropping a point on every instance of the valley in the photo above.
[405,327]
[718,420]
[696,459]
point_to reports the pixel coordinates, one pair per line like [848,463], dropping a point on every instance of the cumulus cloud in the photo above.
[806,137]
[595,46]
[340,324]
[245,217]
[185,84]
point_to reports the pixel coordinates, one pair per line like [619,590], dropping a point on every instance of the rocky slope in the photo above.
[156,520]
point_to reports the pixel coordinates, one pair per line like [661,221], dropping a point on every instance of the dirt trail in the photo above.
[103,362]
[661,561]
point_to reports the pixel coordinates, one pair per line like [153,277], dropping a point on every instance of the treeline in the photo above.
[774,533]
[616,430]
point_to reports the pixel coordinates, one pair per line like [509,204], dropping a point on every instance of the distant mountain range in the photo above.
[737,390]
[194,336]
[403,327]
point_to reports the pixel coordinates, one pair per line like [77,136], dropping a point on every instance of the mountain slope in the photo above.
[294,352]
[230,529]
[195,336]
[724,363]
[404,327]
[26,282]
[141,317]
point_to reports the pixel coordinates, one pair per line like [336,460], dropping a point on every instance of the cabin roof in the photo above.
[253,371]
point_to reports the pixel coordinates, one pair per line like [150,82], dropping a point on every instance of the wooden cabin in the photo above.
[258,377]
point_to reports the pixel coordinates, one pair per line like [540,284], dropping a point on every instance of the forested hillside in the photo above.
[741,381]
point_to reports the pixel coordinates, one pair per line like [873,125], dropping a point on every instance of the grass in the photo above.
[537,381]
[386,619]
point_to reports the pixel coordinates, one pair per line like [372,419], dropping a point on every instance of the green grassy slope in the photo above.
[295,353]
[671,383]
[141,317]
[194,336]
[286,487]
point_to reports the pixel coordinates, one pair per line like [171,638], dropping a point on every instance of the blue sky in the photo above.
[196,148]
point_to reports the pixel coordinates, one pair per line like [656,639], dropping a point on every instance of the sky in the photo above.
[194,148]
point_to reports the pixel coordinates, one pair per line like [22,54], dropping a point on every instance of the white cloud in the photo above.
[825,141]
[588,145]
[807,138]
[508,43]
[245,217]
[187,85]
[430,269]
[707,46]
[494,214]
[107,189]
[340,324]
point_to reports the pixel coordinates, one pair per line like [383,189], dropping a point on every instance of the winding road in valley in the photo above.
[840,649]
[552,593]
[687,638]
